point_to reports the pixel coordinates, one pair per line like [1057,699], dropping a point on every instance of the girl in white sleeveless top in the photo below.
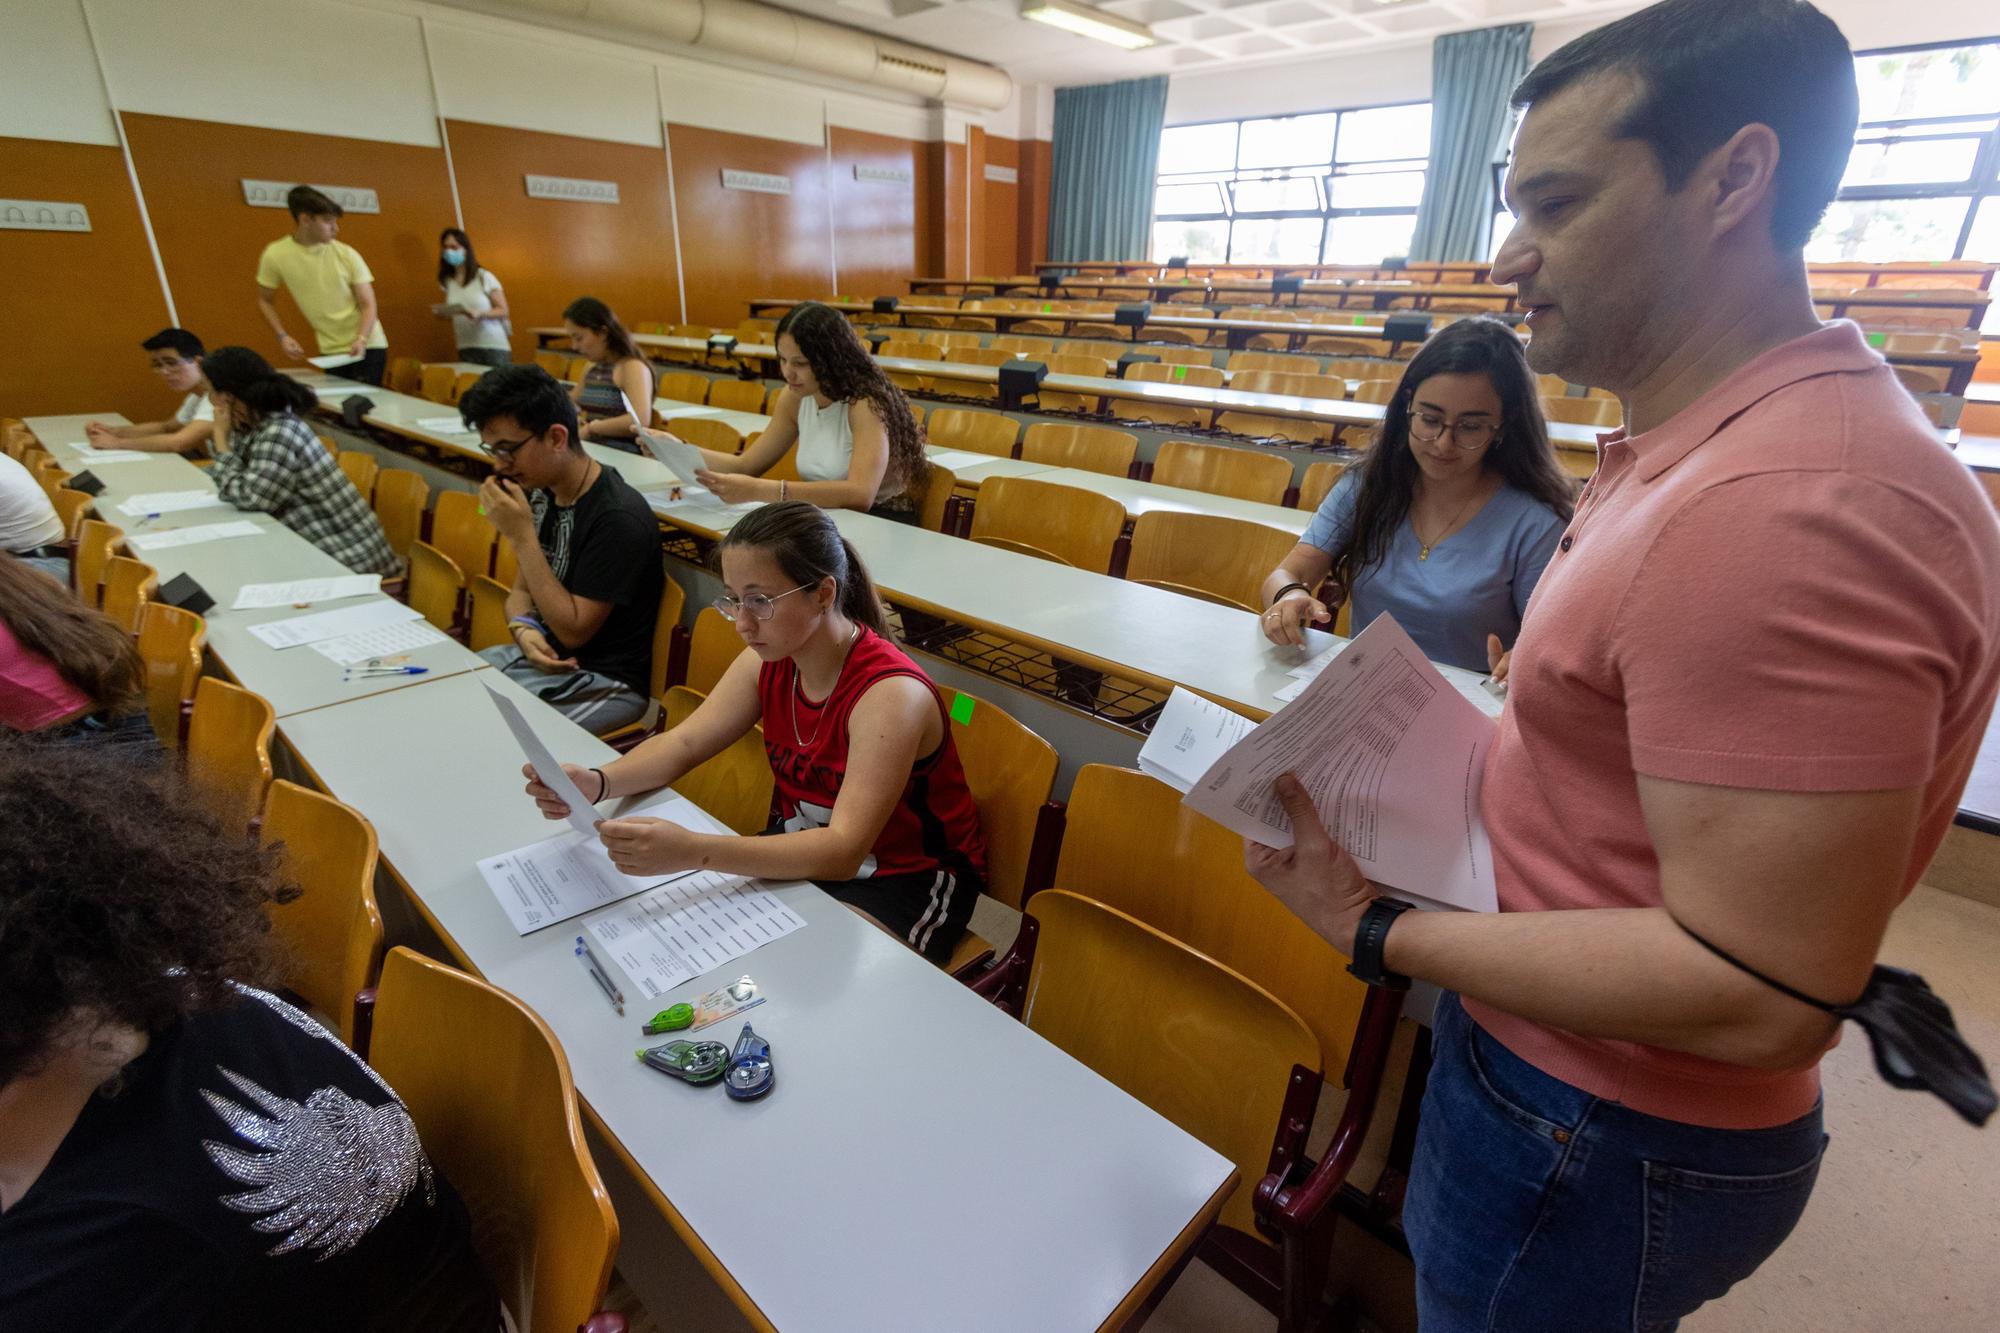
[859,445]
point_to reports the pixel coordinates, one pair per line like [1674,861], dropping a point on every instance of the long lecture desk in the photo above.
[840,1203]
[1417,272]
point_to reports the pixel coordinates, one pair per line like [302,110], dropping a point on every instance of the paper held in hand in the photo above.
[571,873]
[1391,754]
[583,815]
[679,457]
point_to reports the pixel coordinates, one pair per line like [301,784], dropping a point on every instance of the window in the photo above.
[1923,182]
[1335,187]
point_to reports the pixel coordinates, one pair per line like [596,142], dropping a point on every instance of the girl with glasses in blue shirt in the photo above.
[1448,520]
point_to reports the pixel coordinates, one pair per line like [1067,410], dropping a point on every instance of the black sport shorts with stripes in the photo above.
[928,909]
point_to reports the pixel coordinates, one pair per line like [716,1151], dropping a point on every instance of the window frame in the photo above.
[1324,176]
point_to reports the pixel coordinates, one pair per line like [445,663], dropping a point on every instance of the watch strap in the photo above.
[1369,936]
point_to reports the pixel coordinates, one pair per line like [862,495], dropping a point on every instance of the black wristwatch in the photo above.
[1368,940]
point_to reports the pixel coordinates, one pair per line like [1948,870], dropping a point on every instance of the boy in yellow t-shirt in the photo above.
[331,284]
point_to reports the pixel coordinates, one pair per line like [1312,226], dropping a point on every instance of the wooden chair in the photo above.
[170,644]
[1066,524]
[228,753]
[1011,773]
[579,366]
[1280,361]
[498,1117]
[361,469]
[436,586]
[1104,349]
[1318,482]
[939,484]
[1184,356]
[1604,412]
[1020,346]
[1376,391]
[1323,345]
[734,786]
[666,634]
[128,585]
[708,433]
[1132,846]
[972,356]
[50,476]
[702,331]
[326,442]
[399,501]
[439,383]
[1151,1014]
[486,617]
[681,386]
[1165,414]
[969,428]
[737,395]
[1063,363]
[1092,448]
[910,349]
[460,531]
[506,564]
[332,932]
[712,645]
[949,339]
[1219,469]
[554,361]
[1259,427]
[466,379]
[96,542]
[1917,379]
[406,375]
[1215,558]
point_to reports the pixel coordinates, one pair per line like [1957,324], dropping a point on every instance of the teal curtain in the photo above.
[1104,164]
[1472,74]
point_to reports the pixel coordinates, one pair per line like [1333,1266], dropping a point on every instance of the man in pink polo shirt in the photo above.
[1744,701]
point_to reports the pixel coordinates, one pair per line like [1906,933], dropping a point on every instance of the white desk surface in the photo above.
[840,1201]
[1144,497]
[294,679]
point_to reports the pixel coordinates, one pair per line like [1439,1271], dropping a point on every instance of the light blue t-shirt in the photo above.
[1477,581]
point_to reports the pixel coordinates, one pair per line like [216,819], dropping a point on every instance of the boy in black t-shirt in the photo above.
[582,608]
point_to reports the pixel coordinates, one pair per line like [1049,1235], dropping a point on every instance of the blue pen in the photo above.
[386,671]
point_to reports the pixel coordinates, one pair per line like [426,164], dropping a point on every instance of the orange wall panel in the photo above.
[1000,211]
[191,171]
[741,243]
[876,233]
[78,303]
[1037,160]
[548,252]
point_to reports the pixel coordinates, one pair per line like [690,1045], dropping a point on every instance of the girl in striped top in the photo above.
[618,375]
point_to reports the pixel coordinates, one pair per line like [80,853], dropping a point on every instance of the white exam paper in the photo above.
[96,457]
[333,393]
[1392,756]
[1189,736]
[383,641]
[681,930]
[329,362]
[194,536]
[305,590]
[296,630]
[557,878]
[681,458]
[442,425]
[583,815]
[168,502]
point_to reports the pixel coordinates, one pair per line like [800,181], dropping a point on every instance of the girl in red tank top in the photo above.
[872,801]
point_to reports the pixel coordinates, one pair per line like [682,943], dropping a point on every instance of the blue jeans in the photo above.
[1535,1206]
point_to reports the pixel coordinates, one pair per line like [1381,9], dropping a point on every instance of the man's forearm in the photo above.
[1627,974]
[269,309]
[554,605]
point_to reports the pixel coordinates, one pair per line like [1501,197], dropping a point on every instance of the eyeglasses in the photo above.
[1429,426]
[504,450]
[757,604]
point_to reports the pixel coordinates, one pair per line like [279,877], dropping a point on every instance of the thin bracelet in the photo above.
[1280,595]
[603,785]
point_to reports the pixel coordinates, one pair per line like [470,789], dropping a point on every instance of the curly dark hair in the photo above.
[120,900]
[847,374]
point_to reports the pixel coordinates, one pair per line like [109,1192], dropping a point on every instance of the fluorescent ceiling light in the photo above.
[1085,21]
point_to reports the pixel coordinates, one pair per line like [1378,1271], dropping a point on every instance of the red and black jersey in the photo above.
[933,826]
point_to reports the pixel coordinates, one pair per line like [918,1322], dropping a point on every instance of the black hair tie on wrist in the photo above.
[1910,1029]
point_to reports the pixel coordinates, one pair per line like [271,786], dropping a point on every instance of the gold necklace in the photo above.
[1424,547]
[798,688]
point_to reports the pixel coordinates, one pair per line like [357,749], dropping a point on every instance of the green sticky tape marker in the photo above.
[1360,319]
[1046,307]
[961,709]
[1878,340]
[1180,372]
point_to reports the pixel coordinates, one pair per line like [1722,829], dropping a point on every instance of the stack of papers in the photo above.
[333,393]
[194,536]
[571,873]
[252,595]
[1390,752]
[167,502]
[94,457]
[679,931]
[443,425]
[332,362]
[297,630]
[383,641]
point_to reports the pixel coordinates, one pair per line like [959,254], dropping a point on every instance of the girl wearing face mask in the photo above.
[473,302]
[873,803]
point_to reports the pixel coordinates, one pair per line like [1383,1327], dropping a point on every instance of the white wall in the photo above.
[1403,74]
[361,69]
